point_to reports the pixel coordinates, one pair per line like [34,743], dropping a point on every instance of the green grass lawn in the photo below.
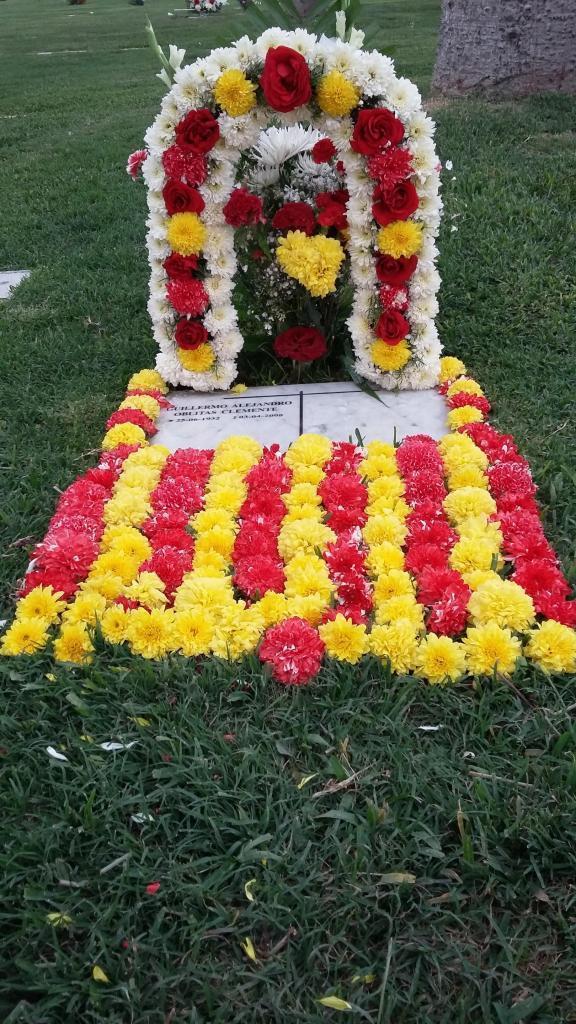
[479,813]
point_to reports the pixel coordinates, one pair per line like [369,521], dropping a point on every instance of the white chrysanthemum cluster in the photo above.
[374,76]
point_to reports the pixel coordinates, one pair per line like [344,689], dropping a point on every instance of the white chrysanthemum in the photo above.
[227,344]
[220,288]
[245,52]
[220,318]
[424,158]
[160,309]
[275,145]
[169,366]
[374,73]
[157,224]
[420,126]
[156,202]
[423,308]
[271,37]
[424,281]
[158,249]
[153,173]
[239,132]
[163,335]
[302,41]
[264,176]
[339,56]
[404,96]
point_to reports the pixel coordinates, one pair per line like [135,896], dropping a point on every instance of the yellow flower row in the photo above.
[336,95]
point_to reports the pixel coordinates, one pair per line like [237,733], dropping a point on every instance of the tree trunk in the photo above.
[506,47]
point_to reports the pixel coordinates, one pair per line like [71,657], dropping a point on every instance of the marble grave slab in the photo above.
[10,279]
[279,414]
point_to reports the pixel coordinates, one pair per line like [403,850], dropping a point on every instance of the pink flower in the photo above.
[135,161]
[152,888]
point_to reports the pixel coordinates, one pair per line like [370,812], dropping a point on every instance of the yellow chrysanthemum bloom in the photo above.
[383,506]
[108,584]
[466,385]
[502,602]
[450,368]
[385,527]
[314,512]
[272,607]
[314,262]
[400,238]
[148,589]
[301,494]
[25,636]
[226,479]
[468,501]
[308,450]
[375,449]
[217,539]
[491,648]
[470,553]
[153,455]
[73,644]
[116,563]
[228,498]
[210,563]
[87,607]
[465,414]
[481,528]
[240,442]
[129,542]
[151,633]
[237,631]
[207,519]
[390,358]
[310,608]
[115,623]
[301,583]
[440,660]
[380,469]
[336,94]
[307,475]
[467,475]
[123,433]
[395,583]
[230,461]
[405,606]
[457,449]
[197,360]
[552,647]
[206,591]
[186,234]
[41,603]
[344,640]
[303,535]
[476,577]
[383,557]
[193,631]
[147,380]
[396,643]
[142,478]
[235,93]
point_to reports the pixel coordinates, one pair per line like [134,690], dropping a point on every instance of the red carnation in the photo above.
[61,582]
[434,531]
[178,539]
[253,538]
[375,129]
[421,556]
[294,651]
[285,80]
[346,457]
[190,334]
[199,131]
[434,583]
[302,344]
[343,558]
[170,564]
[392,327]
[153,393]
[169,519]
[323,151]
[391,166]
[393,298]
[342,490]
[178,493]
[539,576]
[448,616]
[295,217]
[188,297]
[256,574]
[65,551]
[262,506]
[511,476]
[553,607]
[395,272]
[396,203]
[181,198]
[132,416]
[184,165]
[332,209]
[243,208]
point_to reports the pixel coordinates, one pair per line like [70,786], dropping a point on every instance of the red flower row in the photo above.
[345,496]
[257,563]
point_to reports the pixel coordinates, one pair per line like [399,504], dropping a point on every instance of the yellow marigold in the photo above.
[240,442]
[400,238]
[395,642]
[502,602]
[193,631]
[272,607]
[301,583]
[123,433]
[151,633]
[129,542]
[153,455]
[304,512]
[404,606]
[197,360]
[491,648]
[302,474]
[301,494]
[440,660]
[382,466]
[108,584]
[240,461]
[309,450]
[217,539]
[228,498]
[208,518]
[73,644]
[206,591]
[148,589]
[467,475]
[552,647]
[481,528]
[465,414]
[476,577]
[127,508]
[390,357]
[87,607]
[470,553]
[303,535]
[25,636]
[186,234]
[466,385]
[395,583]
[41,603]
[224,480]
[210,563]
[344,640]
[115,623]
[314,262]
[144,403]
[116,563]
[383,506]
[385,527]
[142,478]
[336,94]
[383,557]
[378,448]
[310,608]
[468,501]
[237,631]
[451,367]
[304,562]
[235,93]
[147,380]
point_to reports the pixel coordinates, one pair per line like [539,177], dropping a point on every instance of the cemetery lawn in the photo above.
[409,850]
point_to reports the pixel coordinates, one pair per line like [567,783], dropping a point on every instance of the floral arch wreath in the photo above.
[371,127]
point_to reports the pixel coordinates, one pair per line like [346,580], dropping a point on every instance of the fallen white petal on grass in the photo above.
[448,165]
[430,728]
[52,752]
[112,745]
[141,819]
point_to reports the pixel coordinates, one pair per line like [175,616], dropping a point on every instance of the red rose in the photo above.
[243,208]
[374,130]
[199,131]
[190,334]
[180,268]
[323,151]
[300,343]
[392,327]
[295,217]
[285,80]
[332,207]
[180,198]
[391,271]
[395,203]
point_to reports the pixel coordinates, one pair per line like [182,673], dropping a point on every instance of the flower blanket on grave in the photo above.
[429,557]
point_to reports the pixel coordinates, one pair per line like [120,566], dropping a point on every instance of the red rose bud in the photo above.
[396,272]
[180,268]
[198,132]
[374,130]
[392,327]
[323,151]
[180,198]
[302,344]
[190,334]
[243,208]
[295,217]
[285,79]
[396,203]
